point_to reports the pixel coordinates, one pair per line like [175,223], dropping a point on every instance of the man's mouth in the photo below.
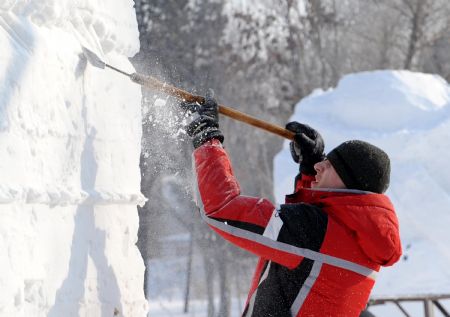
[315,181]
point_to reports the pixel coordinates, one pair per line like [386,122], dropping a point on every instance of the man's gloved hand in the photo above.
[206,126]
[307,147]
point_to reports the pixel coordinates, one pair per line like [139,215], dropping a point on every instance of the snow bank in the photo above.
[408,115]
[381,102]
[69,152]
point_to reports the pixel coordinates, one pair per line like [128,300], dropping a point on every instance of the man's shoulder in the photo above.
[304,224]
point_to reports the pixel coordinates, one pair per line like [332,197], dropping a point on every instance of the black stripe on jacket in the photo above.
[242,225]
[304,226]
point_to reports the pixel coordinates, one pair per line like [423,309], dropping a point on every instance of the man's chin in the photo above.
[314,184]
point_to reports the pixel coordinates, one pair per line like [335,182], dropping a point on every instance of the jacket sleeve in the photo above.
[248,222]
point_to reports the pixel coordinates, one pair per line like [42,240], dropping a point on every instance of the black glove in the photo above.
[307,147]
[206,126]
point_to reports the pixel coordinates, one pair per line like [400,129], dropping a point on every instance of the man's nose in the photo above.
[318,167]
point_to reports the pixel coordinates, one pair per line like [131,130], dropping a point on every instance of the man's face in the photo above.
[326,176]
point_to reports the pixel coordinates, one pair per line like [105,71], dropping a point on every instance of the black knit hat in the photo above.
[361,165]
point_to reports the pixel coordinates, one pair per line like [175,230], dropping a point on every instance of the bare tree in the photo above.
[423,22]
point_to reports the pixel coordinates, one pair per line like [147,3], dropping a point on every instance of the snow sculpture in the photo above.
[69,161]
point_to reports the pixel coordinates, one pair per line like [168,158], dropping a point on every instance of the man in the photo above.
[319,252]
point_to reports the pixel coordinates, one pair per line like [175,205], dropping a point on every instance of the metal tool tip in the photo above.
[93,58]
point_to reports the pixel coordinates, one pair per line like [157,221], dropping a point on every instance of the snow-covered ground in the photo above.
[408,115]
[69,152]
[167,288]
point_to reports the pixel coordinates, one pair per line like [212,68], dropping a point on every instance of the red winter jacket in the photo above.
[319,252]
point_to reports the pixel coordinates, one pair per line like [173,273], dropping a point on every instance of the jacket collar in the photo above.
[313,195]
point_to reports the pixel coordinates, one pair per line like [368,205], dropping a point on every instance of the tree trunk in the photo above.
[416,29]
[188,273]
[225,300]
[209,283]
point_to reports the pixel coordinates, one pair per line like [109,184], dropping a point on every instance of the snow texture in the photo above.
[408,115]
[69,151]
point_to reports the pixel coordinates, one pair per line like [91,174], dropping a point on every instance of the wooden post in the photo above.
[428,306]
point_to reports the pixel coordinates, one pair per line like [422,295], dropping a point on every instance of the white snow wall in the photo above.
[69,161]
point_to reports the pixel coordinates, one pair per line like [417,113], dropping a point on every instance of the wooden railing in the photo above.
[430,302]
